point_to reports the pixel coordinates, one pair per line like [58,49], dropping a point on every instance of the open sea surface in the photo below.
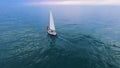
[88,37]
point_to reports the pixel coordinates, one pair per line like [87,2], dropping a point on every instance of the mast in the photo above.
[52,26]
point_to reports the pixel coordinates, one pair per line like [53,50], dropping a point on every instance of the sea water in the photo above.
[87,37]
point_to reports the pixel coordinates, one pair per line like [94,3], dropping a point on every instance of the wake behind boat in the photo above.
[51,28]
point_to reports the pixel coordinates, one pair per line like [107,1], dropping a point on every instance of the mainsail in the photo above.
[52,26]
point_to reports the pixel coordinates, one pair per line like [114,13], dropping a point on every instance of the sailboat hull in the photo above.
[51,32]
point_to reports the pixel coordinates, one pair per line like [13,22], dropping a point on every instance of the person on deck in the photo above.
[47,28]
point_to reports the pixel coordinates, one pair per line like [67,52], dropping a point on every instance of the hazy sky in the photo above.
[76,2]
[62,2]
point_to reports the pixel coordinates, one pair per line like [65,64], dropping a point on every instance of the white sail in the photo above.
[52,26]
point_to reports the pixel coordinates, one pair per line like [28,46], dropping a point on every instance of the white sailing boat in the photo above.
[51,28]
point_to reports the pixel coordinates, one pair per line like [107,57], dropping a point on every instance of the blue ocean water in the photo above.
[88,37]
